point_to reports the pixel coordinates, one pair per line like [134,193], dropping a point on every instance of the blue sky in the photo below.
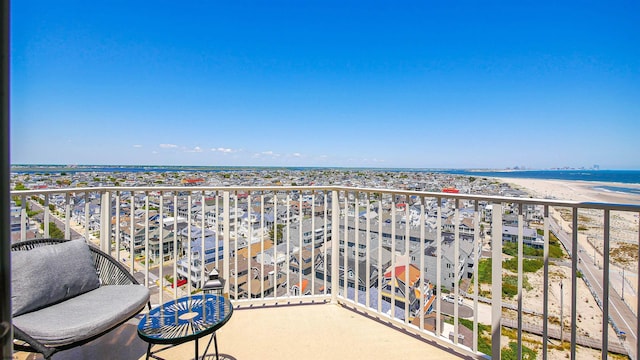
[429,84]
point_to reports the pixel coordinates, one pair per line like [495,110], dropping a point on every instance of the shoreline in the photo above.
[576,190]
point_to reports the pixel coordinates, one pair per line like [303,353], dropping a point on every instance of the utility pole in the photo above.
[622,284]
[561,317]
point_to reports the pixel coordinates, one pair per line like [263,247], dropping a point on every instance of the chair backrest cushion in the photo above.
[49,274]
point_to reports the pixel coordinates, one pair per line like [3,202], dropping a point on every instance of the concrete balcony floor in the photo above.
[285,332]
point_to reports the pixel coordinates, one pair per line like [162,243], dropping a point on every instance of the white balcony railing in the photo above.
[386,253]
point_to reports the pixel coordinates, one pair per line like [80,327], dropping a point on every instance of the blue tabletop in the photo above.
[185,319]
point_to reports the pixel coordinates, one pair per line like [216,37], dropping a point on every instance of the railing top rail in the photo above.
[426,194]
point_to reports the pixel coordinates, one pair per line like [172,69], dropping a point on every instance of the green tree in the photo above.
[54,231]
[278,237]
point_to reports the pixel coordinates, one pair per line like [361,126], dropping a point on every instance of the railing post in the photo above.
[47,216]
[496,279]
[226,234]
[335,243]
[105,221]
[67,215]
[23,218]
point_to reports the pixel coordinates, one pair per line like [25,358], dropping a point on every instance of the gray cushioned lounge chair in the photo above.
[67,293]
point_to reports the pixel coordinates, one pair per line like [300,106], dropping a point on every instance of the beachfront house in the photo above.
[530,236]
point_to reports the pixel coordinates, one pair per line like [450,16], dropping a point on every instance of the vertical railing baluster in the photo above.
[175,245]
[47,216]
[249,248]
[456,267]
[262,239]
[496,279]
[313,242]
[226,238]
[407,257]
[325,233]
[300,238]
[345,264]
[574,285]
[216,229]
[189,225]
[67,217]
[86,218]
[477,252]
[423,279]
[520,276]
[605,283]
[161,243]
[203,249]
[288,231]
[380,247]
[638,297]
[335,244]
[226,254]
[132,251]
[367,240]
[356,260]
[105,220]
[545,294]
[23,218]
[146,239]
[392,279]
[439,266]
[275,249]
[117,230]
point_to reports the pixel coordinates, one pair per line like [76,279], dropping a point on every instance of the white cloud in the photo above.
[168,146]
[196,149]
[297,155]
[137,146]
[269,153]
[223,150]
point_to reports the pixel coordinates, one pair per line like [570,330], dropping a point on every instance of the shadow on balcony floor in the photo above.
[288,332]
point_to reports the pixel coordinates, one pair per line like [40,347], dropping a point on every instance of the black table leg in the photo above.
[209,344]
[215,344]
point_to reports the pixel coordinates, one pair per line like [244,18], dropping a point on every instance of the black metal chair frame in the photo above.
[110,272]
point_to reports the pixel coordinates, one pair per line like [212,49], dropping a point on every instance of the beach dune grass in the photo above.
[509,282]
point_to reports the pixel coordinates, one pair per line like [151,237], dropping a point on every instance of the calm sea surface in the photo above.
[614,176]
[617,176]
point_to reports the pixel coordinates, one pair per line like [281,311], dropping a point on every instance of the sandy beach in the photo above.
[624,233]
[588,191]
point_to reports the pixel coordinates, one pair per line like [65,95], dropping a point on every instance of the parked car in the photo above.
[450,298]
[180,282]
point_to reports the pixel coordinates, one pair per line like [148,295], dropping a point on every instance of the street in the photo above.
[619,311]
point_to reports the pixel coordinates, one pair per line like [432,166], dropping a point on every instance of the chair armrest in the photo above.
[23,337]
[110,272]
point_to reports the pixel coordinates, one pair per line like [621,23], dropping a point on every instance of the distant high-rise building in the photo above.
[596,167]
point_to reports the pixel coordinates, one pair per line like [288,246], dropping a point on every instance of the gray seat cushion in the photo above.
[83,316]
[50,274]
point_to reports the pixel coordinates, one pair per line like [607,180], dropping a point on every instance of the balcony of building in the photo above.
[381,277]
[285,332]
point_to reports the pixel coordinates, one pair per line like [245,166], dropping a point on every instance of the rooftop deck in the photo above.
[360,239]
[285,332]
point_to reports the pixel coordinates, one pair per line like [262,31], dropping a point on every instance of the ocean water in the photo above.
[610,176]
[619,189]
[614,176]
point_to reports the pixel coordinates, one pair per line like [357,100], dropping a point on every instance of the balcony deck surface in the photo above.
[285,332]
